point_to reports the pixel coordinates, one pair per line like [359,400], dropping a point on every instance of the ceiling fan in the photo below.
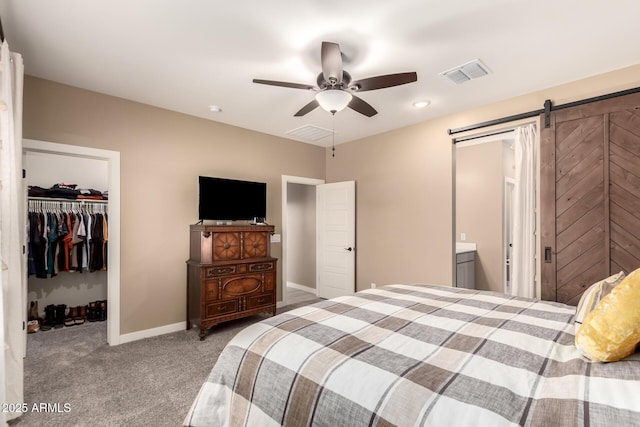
[335,89]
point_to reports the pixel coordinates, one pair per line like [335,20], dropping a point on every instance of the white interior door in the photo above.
[336,231]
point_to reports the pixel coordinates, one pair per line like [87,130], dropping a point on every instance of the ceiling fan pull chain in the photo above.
[333,134]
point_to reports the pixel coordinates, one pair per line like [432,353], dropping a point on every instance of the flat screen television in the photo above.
[230,199]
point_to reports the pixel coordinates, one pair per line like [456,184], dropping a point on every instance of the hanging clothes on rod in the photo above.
[66,236]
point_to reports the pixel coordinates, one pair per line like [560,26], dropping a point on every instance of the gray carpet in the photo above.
[151,382]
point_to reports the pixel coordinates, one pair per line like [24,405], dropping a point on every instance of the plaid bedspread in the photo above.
[408,355]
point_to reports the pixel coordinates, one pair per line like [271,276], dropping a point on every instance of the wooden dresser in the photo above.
[230,274]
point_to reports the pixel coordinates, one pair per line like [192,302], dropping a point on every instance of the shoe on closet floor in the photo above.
[81,314]
[49,318]
[33,326]
[61,310]
[33,311]
[70,320]
[101,312]
[91,311]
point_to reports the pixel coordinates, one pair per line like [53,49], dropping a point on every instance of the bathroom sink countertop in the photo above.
[462,247]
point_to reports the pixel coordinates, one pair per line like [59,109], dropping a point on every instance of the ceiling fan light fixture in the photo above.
[333,100]
[334,88]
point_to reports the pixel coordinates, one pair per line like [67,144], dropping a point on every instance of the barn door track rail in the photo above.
[546,110]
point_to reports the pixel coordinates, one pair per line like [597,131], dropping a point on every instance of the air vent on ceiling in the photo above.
[465,72]
[310,132]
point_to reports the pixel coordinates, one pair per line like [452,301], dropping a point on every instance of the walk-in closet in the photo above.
[67,244]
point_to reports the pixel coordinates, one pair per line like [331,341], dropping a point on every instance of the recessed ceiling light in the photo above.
[421,104]
[214,108]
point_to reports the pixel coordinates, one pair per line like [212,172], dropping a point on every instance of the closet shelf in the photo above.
[54,199]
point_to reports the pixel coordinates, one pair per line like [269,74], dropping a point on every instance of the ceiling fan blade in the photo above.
[362,107]
[381,82]
[331,59]
[284,84]
[307,108]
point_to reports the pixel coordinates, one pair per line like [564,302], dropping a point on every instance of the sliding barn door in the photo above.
[624,176]
[590,195]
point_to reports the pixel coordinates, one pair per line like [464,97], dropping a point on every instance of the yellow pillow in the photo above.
[592,296]
[611,330]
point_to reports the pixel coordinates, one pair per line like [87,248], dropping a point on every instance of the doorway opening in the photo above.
[482,211]
[109,163]
[298,239]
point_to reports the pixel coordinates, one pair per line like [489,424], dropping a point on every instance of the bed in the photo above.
[407,355]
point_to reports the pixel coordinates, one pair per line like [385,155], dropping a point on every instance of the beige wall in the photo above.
[162,154]
[301,234]
[404,185]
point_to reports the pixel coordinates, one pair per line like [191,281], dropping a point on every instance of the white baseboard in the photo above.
[153,332]
[302,287]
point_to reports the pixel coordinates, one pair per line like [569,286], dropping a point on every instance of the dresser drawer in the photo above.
[259,300]
[234,286]
[220,271]
[261,266]
[219,308]
[241,285]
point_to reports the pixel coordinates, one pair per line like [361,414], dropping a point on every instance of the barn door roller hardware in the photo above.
[547,113]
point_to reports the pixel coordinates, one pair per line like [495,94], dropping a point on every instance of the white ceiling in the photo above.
[187,55]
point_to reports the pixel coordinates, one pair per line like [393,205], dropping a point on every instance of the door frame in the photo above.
[507,211]
[113,167]
[492,133]
[286,179]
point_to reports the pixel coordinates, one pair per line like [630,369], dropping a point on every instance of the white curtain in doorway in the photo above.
[524,213]
[11,229]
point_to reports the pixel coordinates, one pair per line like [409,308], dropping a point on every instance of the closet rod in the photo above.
[53,199]
[548,107]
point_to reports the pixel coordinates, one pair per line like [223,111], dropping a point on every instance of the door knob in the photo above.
[349,249]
